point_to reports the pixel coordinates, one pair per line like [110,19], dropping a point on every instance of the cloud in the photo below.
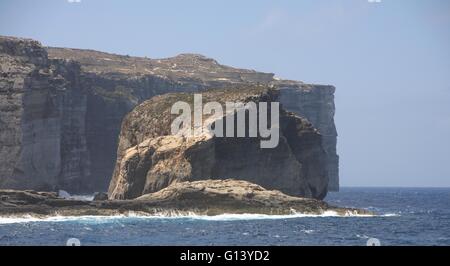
[73,1]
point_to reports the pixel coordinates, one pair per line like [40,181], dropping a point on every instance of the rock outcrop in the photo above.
[61,109]
[206,197]
[149,158]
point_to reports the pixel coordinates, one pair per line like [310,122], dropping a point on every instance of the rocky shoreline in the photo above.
[206,197]
[75,119]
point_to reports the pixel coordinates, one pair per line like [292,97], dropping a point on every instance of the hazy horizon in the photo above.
[389,62]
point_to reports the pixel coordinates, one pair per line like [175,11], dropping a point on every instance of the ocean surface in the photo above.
[405,216]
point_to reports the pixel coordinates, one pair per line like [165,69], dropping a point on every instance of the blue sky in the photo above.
[390,63]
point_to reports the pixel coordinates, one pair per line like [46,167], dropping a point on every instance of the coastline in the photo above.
[204,198]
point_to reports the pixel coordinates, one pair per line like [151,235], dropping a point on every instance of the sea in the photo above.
[403,216]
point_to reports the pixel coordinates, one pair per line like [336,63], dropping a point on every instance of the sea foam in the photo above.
[176,215]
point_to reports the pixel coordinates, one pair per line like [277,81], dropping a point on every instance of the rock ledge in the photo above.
[206,197]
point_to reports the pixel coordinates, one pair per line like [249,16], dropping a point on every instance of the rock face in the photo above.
[236,196]
[316,102]
[42,119]
[100,196]
[206,197]
[149,158]
[60,114]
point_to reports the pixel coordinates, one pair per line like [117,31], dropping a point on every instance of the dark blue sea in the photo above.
[405,216]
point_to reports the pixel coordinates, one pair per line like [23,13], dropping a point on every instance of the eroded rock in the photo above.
[205,197]
[150,158]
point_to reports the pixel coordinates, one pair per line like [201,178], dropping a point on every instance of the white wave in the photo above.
[56,218]
[82,197]
[390,215]
[170,215]
[252,216]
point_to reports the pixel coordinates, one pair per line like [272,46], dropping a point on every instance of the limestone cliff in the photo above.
[316,102]
[60,114]
[150,158]
[42,119]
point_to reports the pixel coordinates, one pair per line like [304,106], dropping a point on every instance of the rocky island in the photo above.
[83,120]
[149,158]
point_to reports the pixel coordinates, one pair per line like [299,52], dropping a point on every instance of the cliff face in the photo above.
[60,114]
[150,158]
[42,119]
[316,102]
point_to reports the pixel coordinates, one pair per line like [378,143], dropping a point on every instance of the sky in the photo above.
[389,61]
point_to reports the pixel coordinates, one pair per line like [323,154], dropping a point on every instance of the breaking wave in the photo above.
[175,215]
